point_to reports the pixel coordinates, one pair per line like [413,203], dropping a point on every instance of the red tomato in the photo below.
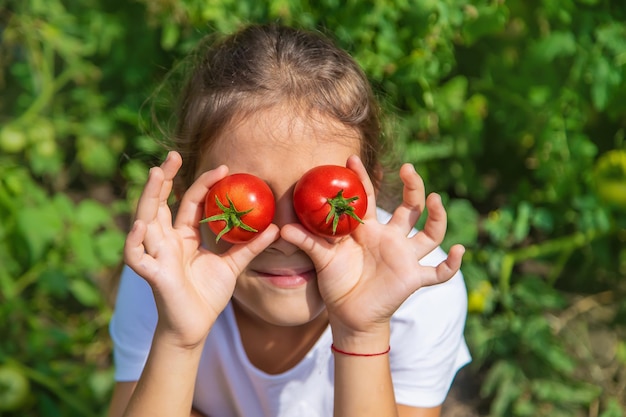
[330,200]
[238,207]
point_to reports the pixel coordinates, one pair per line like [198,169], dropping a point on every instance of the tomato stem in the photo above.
[340,205]
[231,216]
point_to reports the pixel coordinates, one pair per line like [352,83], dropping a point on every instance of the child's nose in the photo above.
[285,213]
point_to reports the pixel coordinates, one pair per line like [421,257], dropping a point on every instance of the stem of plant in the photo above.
[565,245]
[231,216]
[340,205]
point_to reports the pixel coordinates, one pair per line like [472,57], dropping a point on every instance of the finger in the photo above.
[434,229]
[355,164]
[148,204]
[316,247]
[413,199]
[158,187]
[190,211]
[437,222]
[148,209]
[239,256]
[135,254]
[170,167]
[152,207]
[133,246]
[448,268]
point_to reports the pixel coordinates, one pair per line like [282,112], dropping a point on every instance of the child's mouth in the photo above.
[287,279]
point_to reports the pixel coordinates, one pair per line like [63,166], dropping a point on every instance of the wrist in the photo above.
[175,341]
[374,341]
[335,349]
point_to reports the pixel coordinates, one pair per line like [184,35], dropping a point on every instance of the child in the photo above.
[247,329]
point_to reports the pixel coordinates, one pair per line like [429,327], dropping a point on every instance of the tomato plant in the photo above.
[238,207]
[330,200]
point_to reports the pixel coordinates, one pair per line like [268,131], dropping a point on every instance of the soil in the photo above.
[463,399]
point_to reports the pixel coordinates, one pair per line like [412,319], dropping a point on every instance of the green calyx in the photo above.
[231,216]
[340,205]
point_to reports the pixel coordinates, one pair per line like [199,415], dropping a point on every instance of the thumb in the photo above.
[239,256]
[316,247]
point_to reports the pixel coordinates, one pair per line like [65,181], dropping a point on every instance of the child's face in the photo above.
[279,286]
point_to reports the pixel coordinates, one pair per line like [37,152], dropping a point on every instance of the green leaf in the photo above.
[450,98]
[556,44]
[521,226]
[536,295]
[108,245]
[499,373]
[96,156]
[85,293]
[562,392]
[53,282]
[605,78]
[39,226]
[507,393]
[611,35]
[613,409]
[463,224]
[487,20]
[91,215]
[45,158]
[498,225]
[170,35]
[83,253]
[101,383]
[621,353]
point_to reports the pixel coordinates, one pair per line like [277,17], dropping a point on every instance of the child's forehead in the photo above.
[281,126]
[272,139]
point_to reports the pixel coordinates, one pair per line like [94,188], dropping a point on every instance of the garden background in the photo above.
[514,110]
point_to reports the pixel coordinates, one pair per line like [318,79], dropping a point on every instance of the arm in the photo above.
[363,385]
[406,411]
[353,377]
[170,257]
[121,395]
[167,383]
[359,378]
[195,413]
[364,278]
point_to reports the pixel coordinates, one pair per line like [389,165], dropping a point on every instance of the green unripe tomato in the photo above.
[14,388]
[12,140]
[610,177]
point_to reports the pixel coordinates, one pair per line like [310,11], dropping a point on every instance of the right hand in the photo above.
[191,285]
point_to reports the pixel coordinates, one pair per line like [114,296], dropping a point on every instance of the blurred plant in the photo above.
[65,138]
[513,111]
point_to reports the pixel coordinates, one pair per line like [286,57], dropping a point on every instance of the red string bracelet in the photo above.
[343,352]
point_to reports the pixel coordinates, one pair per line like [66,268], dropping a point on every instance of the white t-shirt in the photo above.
[427,349]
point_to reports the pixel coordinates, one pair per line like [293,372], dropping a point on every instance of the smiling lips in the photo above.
[287,279]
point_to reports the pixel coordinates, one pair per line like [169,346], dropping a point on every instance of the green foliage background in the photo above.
[514,110]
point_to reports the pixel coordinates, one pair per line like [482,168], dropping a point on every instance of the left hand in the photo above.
[366,276]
